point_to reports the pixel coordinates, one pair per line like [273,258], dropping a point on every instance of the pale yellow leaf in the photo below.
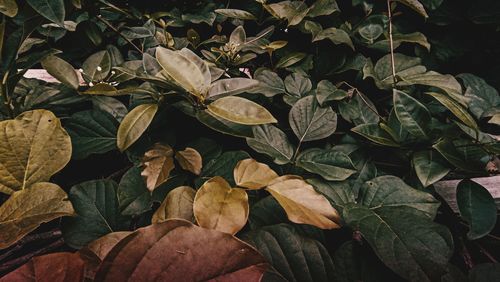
[303,204]
[134,124]
[177,204]
[220,207]
[251,174]
[190,160]
[25,210]
[157,163]
[33,147]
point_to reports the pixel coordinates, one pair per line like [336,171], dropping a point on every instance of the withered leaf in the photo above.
[157,162]
[190,160]
[177,204]
[251,174]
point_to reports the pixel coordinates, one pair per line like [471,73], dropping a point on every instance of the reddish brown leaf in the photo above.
[157,162]
[190,160]
[177,250]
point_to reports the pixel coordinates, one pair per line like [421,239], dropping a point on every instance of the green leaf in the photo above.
[484,272]
[311,122]
[92,132]
[382,72]
[297,84]
[331,165]
[412,114]
[61,70]
[323,8]
[97,66]
[483,97]
[415,5]
[326,92]
[240,110]
[448,83]
[335,35]
[134,198]
[33,147]
[456,109]
[398,39]
[8,8]
[96,206]
[290,59]
[270,140]
[429,166]
[294,256]
[223,125]
[359,110]
[134,124]
[477,207]
[270,83]
[448,150]
[53,10]
[25,210]
[339,193]
[236,14]
[405,239]
[230,86]
[223,166]
[293,11]
[374,133]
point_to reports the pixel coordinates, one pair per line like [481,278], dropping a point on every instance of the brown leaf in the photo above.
[177,204]
[251,174]
[302,203]
[103,245]
[190,160]
[56,267]
[157,162]
[177,250]
[220,207]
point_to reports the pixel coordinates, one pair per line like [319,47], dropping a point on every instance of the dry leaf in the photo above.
[190,160]
[303,204]
[251,174]
[177,204]
[220,207]
[157,162]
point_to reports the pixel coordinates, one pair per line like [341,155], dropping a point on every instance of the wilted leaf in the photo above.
[177,250]
[429,166]
[25,210]
[134,124]
[33,147]
[53,10]
[61,70]
[158,162]
[251,174]
[177,204]
[302,203]
[477,207]
[56,267]
[220,207]
[330,164]
[311,122]
[240,110]
[273,142]
[190,160]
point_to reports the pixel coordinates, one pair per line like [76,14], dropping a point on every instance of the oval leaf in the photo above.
[231,86]
[61,70]
[134,124]
[235,13]
[412,114]
[251,174]
[53,10]
[241,110]
[190,160]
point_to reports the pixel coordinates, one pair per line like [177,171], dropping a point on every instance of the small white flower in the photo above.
[91,84]
[286,30]
[99,68]
[80,70]
[113,72]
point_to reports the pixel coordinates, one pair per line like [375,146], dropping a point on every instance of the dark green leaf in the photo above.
[134,198]
[412,114]
[273,142]
[331,165]
[53,10]
[311,122]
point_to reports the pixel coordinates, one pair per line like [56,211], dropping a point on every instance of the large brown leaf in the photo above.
[57,267]
[177,250]
[157,162]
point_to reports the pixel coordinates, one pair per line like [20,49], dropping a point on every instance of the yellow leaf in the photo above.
[25,210]
[157,162]
[177,204]
[251,174]
[302,203]
[190,160]
[134,124]
[33,147]
[240,110]
[220,207]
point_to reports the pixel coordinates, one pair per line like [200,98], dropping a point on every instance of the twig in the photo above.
[6,98]
[21,260]
[360,94]
[29,239]
[104,21]
[391,43]
[486,253]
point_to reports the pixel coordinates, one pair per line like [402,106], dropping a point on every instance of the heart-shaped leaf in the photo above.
[429,166]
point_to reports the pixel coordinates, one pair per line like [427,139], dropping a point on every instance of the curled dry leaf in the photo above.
[220,207]
[33,147]
[177,250]
[56,267]
[177,204]
[251,174]
[302,203]
[190,160]
[157,162]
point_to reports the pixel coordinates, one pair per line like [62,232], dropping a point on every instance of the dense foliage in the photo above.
[299,140]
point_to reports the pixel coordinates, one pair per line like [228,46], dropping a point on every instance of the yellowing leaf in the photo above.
[220,207]
[157,162]
[240,110]
[25,210]
[190,160]
[134,124]
[177,204]
[8,8]
[251,174]
[33,147]
[302,203]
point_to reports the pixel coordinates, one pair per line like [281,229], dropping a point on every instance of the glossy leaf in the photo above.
[331,165]
[240,110]
[273,142]
[158,162]
[220,207]
[251,174]
[477,207]
[134,124]
[311,122]
[190,160]
[25,210]
[412,114]
[61,70]
[177,204]
[290,59]
[33,147]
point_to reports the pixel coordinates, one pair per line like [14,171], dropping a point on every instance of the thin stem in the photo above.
[21,260]
[294,157]
[486,253]
[360,94]
[104,21]
[5,95]
[391,43]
